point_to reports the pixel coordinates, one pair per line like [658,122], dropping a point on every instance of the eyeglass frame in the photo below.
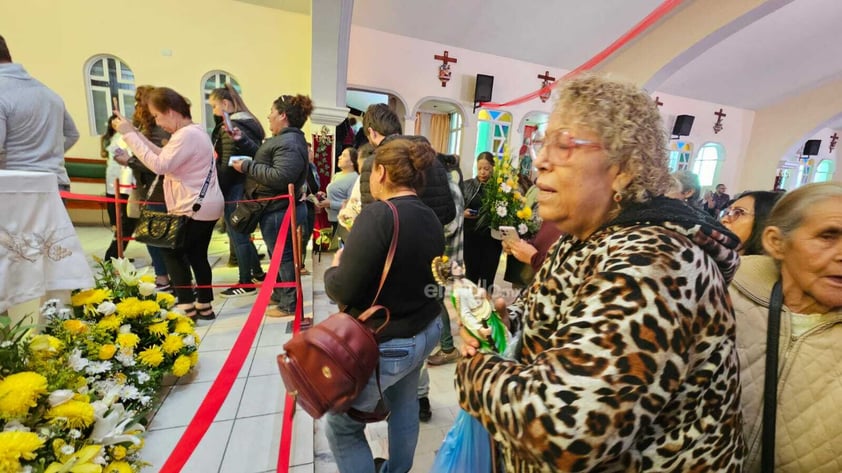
[572,143]
[730,213]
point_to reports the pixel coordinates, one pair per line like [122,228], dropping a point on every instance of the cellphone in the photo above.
[509,233]
[473,212]
[227,122]
[234,159]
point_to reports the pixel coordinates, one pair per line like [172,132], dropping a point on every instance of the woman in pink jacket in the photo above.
[187,164]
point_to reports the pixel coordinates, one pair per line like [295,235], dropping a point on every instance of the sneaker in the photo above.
[442,357]
[237,292]
[164,288]
[304,271]
[424,412]
[258,278]
[278,312]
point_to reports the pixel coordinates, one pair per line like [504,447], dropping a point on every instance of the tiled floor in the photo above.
[245,435]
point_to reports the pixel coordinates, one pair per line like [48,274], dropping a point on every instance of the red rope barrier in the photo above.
[220,388]
[98,198]
[662,10]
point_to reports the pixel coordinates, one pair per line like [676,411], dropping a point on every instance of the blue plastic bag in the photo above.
[466,448]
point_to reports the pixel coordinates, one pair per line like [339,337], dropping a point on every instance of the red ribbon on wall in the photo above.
[663,9]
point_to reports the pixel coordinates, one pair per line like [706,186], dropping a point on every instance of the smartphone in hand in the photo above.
[226,122]
[509,233]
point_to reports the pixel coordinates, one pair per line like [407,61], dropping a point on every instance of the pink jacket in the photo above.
[184,162]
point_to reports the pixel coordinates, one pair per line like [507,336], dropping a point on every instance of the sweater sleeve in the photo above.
[608,366]
[71,134]
[286,167]
[179,149]
[362,258]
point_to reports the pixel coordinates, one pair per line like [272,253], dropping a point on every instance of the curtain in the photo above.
[439,131]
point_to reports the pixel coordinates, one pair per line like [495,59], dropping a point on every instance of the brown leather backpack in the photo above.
[326,367]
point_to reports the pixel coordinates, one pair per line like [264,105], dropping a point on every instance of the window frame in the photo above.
[207,111]
[695,167]
[122,92]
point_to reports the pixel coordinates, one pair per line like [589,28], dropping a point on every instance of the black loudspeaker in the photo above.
[482,92]
[811,147]
[683,125]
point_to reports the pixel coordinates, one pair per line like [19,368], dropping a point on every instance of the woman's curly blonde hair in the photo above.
[628,125]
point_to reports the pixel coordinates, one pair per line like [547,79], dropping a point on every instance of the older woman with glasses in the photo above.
[803,241]
[746,217]
[627,357]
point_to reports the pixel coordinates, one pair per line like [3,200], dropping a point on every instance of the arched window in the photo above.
[110,85]
[680,153]
[707,163]
[493,131]
[213,80]
[824,171]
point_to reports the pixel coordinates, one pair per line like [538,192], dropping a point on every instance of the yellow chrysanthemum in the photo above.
[160,329]
[184,326]
[172,344]
[121,378]
[150,278]
[46,345]
[75,326]
[107,351]
[118,452]
[152,356]
[128,340]
[527,212]
[165,300]
[118,467]
[19,392]
[90,297]
[172,315]
[110,322]
[182,365]
[72,414]
[79,462]
[499,180]
[15,446]
[194,358]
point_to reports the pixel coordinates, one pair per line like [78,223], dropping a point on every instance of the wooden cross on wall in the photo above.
[833,139]
[444,69]
[546,79]
[658,102]
[717,127]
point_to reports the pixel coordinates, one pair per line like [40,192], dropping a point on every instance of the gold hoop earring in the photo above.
[618,197]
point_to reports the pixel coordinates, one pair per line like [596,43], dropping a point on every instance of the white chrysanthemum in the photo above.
[26,469]
[502,211]
[64,314]
[15,426]
[142,377]
[145,400]
[126,358]
[75,433]
[505,187]
[522,229]
[6,344]
[77,361]
[97,367]
[60,396]
[129,392]
[67,449]
[189,341]
[106,308]
[146,289]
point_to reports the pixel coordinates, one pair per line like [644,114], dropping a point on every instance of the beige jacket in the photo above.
[809,419]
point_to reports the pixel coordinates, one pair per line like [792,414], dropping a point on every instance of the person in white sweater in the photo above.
[339,189]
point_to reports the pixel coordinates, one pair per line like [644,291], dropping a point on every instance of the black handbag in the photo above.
[246,216]
[162,229]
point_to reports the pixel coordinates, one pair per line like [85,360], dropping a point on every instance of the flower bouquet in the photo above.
[504,204]
[75,398]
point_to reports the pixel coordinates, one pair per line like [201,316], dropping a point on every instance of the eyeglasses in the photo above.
[561,141]
[735,212]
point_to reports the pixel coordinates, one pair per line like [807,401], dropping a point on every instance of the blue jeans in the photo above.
[154,252]
[270,226]
[247,259]
[400,363]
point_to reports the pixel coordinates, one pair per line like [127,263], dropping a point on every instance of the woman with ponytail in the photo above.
[415,327]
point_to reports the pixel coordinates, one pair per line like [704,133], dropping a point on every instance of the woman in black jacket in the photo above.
[279,161]
[409,293]
[226,100]
[481,251]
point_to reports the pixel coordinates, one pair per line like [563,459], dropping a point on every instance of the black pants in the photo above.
[193,255]
[128,225]
[482,255]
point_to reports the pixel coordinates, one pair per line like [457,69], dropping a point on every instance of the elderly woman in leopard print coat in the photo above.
[628,360]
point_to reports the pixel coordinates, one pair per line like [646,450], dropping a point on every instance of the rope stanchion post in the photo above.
[118,218]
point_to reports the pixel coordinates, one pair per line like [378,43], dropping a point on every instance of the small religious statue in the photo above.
[475,310]
[547,78]
[444,68]
[717,127]
[833,139]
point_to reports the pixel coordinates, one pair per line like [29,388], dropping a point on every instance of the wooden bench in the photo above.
[86,171]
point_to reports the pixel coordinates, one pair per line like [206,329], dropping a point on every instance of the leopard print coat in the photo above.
[628,360]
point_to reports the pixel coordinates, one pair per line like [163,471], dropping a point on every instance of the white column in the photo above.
[329,74]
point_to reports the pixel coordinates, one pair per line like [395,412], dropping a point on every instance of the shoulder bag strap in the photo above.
[770,384]
[391,255]
[198,204]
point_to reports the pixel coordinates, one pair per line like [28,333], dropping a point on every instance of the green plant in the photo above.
[503,203]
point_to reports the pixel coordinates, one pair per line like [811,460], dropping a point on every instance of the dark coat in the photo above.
[279,161]
[225,147]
